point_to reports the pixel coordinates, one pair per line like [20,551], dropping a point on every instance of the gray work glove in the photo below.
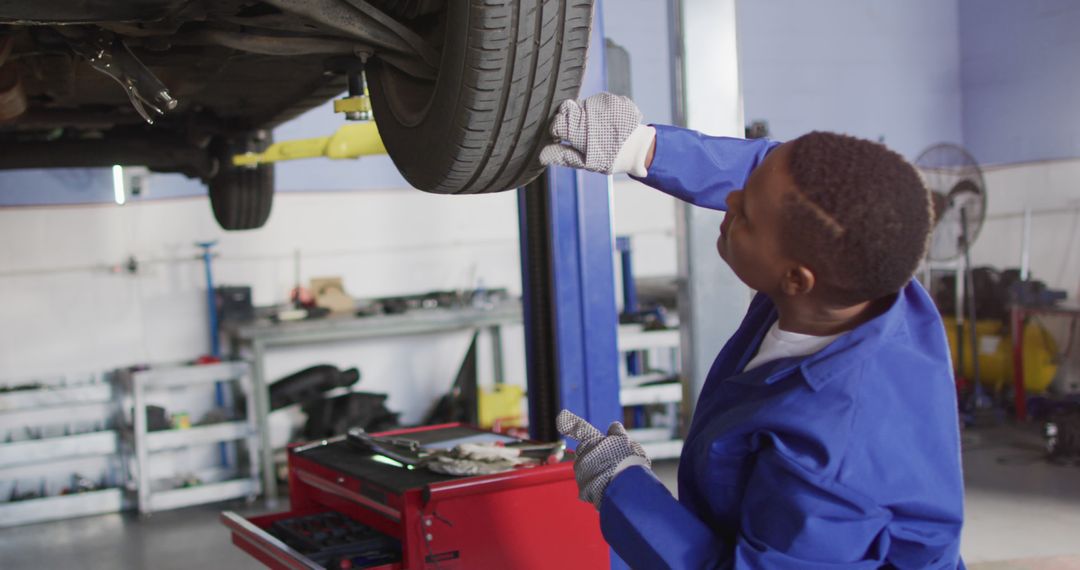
[602,133]
[599,457]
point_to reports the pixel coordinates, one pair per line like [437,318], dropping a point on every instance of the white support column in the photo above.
[712,300]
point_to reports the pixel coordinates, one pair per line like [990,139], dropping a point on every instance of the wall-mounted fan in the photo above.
[956,185]
[958,194]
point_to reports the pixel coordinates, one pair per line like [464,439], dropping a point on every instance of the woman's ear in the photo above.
[798,280]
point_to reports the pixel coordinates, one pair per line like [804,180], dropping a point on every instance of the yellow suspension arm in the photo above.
[352,140]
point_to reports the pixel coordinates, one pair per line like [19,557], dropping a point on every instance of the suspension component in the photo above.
[357,106]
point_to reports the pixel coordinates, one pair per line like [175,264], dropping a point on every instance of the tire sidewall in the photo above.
[429,137]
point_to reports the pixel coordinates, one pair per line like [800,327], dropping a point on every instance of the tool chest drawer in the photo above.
[313,539]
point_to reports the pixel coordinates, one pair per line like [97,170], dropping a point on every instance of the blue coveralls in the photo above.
[847,458]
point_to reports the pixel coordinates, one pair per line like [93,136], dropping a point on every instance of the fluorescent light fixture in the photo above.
[118,184]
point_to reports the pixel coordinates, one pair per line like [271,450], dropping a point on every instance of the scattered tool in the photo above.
[406,451]
[358,434]
[489,458]
[462,459]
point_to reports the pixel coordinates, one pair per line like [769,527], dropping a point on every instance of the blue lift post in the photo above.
[211,300]
[568,280]
[215,341]
[568,286]
[634,364]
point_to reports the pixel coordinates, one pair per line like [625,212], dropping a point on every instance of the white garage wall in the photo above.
[1052,190]
[648,217]
[62,310]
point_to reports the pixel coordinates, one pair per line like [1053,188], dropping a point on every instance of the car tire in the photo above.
[479,126]
[241,197]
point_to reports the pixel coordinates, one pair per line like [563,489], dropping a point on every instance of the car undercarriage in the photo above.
[182,85]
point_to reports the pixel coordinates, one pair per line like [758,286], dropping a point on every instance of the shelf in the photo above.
[62,414]
[421,321]
[652,388]
[62,507]
[650,435]
[48,412]
[200,494]
[150,469]
[197,435]
[669,449]
[655,394]
[57,448]
[43,397]
[57,405]
[652,378]
[156,378]
[634,337]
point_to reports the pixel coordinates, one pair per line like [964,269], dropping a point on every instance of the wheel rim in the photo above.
[409,98]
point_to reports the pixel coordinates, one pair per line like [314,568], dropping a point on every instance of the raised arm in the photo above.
[604,134]
[700,169]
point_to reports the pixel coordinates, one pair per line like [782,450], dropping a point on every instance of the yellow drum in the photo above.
[995,354]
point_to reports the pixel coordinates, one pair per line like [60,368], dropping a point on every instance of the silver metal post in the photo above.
[260,392]
[712,300]
[142,453]
[497,353]
[1025,246]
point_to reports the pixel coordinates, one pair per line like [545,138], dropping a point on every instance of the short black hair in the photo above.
[860,216]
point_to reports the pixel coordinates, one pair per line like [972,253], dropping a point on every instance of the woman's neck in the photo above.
[808,316]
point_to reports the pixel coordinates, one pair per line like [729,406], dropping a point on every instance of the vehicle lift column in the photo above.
[567,244]
[568,285]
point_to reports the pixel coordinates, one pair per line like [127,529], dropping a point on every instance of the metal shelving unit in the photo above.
[48,449]
[197,435]
[230,484]
[62,507]
[649,388]
[47,429]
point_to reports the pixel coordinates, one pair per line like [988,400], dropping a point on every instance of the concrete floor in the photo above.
[1018,506]
[1022,514]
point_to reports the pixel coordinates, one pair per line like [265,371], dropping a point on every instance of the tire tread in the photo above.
[522,59]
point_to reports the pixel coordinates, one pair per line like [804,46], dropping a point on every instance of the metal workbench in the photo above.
[259,336]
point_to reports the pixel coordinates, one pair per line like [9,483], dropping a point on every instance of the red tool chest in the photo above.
[526,518]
